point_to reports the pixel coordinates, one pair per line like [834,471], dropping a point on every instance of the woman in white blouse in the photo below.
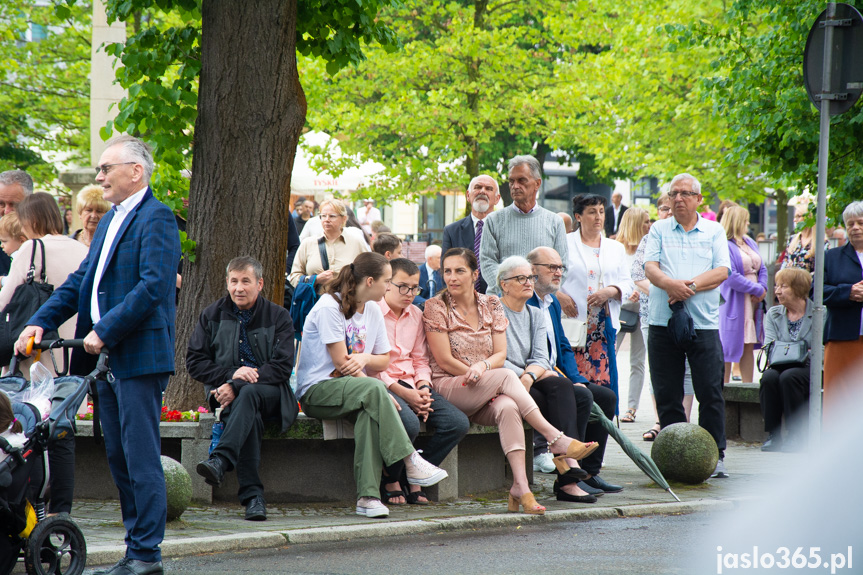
[597,280]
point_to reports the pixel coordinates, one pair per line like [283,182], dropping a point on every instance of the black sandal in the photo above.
[650,434]
[388,496]
[414,498]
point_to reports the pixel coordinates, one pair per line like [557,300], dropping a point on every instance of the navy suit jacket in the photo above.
[461,234]
[426,285]
[565,358]
[136,294]
[841,271]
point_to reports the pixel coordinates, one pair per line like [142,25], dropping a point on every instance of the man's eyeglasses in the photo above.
[553,268]
[664,209]
[104,167]
[674,194]
[522,279]
[408,290]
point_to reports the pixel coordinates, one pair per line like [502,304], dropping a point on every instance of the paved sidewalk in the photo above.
[221,527]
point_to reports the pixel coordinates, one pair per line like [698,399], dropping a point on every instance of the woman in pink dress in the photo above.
[741,315]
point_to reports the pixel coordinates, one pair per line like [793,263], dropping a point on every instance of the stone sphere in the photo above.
[685,452]
[178,485]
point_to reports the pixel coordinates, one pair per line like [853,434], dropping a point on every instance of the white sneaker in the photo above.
[371,507]
[421,472]
[543,463]
[720,472]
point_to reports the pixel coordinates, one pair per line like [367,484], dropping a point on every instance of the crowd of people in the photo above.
[517,317]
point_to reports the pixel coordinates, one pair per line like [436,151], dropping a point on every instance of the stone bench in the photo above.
[743,418]
[311,463]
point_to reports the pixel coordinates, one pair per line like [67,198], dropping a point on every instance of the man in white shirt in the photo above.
[368,214]
[614,215]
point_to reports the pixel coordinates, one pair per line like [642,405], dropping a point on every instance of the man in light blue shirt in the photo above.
[686,260]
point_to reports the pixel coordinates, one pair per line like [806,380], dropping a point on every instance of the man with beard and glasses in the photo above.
[482,195]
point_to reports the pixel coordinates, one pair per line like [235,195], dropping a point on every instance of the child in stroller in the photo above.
[51,544]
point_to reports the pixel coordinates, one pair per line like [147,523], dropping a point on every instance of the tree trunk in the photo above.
[781,220]
[251,110]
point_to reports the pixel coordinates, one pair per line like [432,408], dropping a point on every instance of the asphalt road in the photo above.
[651,545]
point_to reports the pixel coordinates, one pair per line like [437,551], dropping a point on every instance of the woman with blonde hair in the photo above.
[340,248]
[800,251]
[741,325]
[91,206]
[633,227]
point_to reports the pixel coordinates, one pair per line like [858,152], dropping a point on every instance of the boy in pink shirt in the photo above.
[408,379]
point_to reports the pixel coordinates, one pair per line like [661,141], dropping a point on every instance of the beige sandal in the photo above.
[628,417]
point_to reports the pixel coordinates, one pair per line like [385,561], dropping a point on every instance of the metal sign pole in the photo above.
[818,315]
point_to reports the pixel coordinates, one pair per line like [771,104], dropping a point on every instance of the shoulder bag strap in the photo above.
[325,261]
[42,276]
[31,273]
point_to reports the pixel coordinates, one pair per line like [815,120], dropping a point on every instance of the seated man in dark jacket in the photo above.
[242,350]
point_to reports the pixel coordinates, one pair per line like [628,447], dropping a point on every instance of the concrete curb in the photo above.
[108,554]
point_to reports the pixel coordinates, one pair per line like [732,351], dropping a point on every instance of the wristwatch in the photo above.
[693,286]
[532,375]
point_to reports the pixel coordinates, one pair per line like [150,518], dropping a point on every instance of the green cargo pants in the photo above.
[379,436]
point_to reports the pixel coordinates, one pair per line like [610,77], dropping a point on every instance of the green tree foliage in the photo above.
[161,65]
[473,84]
[640,104]
[44,86]
[757,87]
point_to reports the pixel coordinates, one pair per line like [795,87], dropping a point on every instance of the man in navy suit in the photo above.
[431,281]
[123,293]
[614,215]
[549,269]
[482,195]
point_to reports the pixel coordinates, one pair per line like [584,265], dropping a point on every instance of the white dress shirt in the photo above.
[122,210]
[545,306]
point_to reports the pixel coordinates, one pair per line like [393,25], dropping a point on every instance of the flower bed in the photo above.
[172,415]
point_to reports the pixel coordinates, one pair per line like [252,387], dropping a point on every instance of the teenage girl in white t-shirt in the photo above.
[334,385]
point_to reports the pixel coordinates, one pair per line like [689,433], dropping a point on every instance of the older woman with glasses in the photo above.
[597,281]
[800,251]
[340,249]
[91,206]
[563,403]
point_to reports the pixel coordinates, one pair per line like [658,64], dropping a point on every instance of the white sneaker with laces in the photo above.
[543,463]
[421,472]
[371,507]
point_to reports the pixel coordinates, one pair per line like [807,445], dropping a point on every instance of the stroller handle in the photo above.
[47,344]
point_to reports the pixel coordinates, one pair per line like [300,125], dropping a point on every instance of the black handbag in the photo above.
[783,354]
[628,320]
[25,302]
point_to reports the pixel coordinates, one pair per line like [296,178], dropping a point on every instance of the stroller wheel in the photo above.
[56,546]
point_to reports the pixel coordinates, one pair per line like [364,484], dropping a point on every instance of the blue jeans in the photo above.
[130,410]
[450,426]
[667,366]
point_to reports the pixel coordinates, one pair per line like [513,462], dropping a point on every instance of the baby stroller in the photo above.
[49,545]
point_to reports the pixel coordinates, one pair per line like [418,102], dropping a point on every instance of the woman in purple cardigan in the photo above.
[741,326]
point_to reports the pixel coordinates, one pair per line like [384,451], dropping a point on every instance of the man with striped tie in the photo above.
[482,195]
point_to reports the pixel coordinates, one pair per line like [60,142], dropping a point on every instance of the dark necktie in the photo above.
[476,242]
